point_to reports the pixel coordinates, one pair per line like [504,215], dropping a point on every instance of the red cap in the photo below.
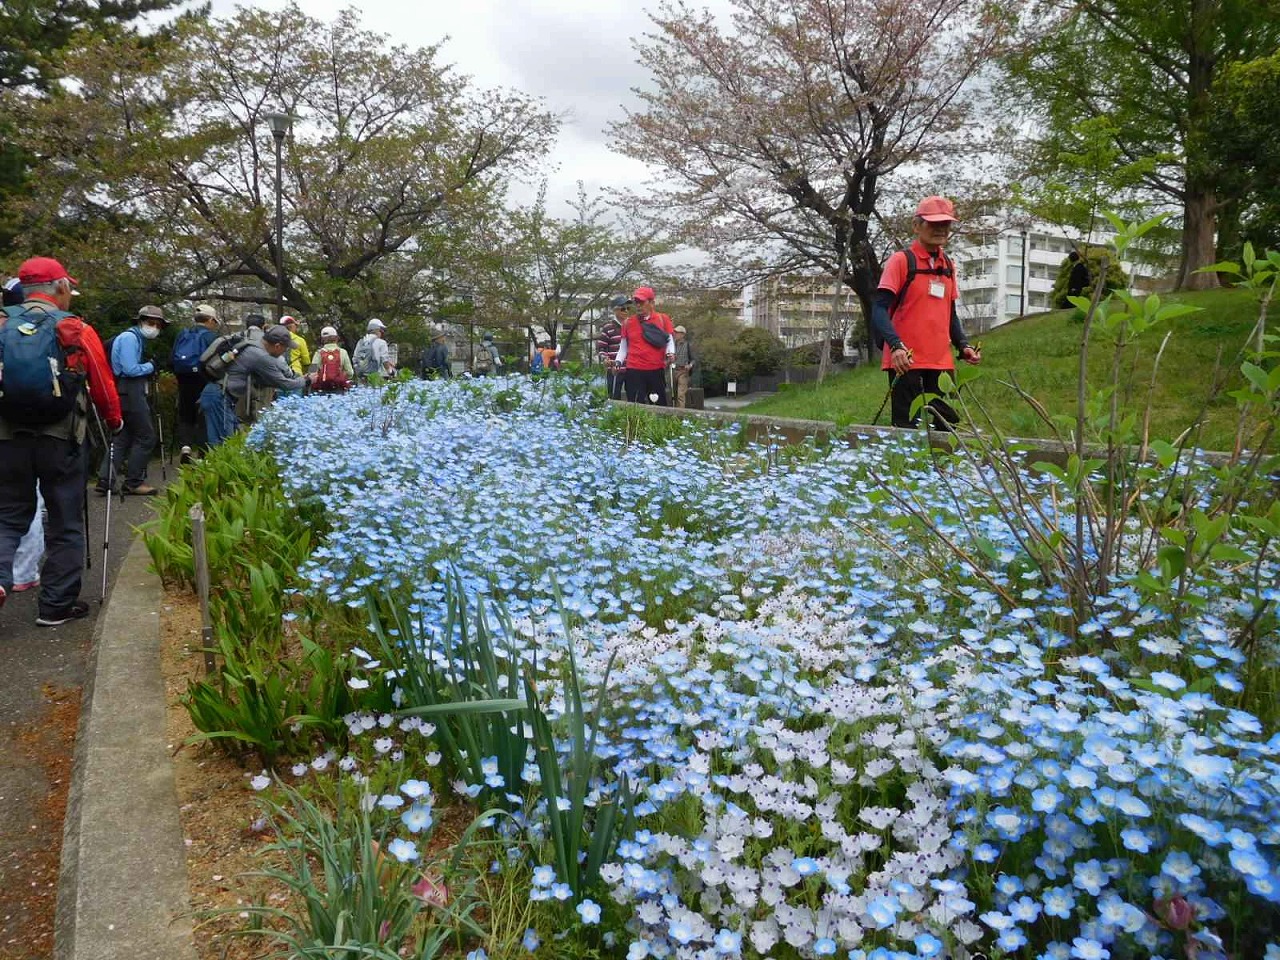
[643,293]
[43,270]
[936,210]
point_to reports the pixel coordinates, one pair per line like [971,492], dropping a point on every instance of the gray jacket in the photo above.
[265,370]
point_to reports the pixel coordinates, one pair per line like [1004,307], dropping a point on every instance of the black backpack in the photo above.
[945,269]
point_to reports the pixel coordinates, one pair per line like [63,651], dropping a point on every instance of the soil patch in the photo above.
[217,805]
[39,753]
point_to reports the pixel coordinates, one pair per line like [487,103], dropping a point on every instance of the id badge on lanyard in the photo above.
[937,289]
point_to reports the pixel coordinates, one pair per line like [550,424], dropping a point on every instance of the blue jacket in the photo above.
[126,355]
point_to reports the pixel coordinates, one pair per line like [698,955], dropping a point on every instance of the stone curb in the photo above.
[122,890]
[790,430]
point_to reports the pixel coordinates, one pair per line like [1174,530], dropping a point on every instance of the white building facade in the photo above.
[998,271]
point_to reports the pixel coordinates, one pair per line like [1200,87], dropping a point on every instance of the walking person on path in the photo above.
[435,359]
[682,367]
[607,345]
[54,368]
[331,365]
[300,355]
[487,362]
[131,450]
[646,348]
[372,355]
[185,359]
[914,316]
[257,373]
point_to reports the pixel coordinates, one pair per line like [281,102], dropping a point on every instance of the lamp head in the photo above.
[279,122]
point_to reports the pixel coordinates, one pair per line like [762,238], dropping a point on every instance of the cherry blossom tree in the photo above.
[787,136]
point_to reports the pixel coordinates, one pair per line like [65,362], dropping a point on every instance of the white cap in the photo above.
[328,332]
[376,324]
[206,312]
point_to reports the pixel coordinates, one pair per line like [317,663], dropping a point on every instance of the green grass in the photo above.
[1042,354]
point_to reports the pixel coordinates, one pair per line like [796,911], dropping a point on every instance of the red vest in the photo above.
[640,355]
[922,320]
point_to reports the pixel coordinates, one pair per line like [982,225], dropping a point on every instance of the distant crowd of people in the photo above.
[57,378]
[643,354]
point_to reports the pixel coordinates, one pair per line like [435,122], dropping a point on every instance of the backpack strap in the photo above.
[906,283]
[944,269]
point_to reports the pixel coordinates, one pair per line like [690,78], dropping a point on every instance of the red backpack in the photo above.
[331,377]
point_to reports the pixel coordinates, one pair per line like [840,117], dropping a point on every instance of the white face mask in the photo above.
[150,332]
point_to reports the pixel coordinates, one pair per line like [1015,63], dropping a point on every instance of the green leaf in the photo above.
[1225,266]
[463,708]
[1256,376]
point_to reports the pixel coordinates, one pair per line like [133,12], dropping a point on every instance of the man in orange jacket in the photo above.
[914,316]
[42,431]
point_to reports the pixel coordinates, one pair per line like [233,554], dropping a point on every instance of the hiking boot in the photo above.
[185,457]
[102,489]
[77,611]
[141,490]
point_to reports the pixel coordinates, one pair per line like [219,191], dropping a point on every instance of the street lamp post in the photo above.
[1022,298]
[279,123]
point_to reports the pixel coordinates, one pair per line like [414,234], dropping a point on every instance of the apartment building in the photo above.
[798,307]
[1000,270]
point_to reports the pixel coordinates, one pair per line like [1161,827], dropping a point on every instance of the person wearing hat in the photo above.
[914,316]
[607,344]
[257,373]
[44,453]
[372,354]
[434,363]
[646,362]
[131,450]
[300,355]
[11,293]
[331,365]
[191,343]
[486,360]
[681,367]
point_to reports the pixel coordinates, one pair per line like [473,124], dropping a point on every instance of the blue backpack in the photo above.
[36,387]
[535,365]
[187,349]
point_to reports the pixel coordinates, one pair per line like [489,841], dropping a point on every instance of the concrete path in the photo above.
[123,890]
[42,670]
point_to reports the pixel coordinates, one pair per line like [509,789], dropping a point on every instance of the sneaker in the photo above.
[19,587]
[141,490]
[184,456]
[2,596]
[77,611]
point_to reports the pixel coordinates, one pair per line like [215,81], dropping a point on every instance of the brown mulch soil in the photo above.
[29,873]
[217,805]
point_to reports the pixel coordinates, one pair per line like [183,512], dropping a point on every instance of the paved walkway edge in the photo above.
[122,892]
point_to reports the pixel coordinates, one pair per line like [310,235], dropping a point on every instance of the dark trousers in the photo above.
[131,449]
[644,384]
[191,432]
[613,381]
[912,384]
[58,466]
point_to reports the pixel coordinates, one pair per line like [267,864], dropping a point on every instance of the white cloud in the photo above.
[578,55]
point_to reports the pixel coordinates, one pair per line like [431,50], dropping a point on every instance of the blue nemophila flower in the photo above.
[403,850]
[589,911]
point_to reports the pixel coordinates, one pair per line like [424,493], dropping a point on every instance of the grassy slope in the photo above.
[1042,353]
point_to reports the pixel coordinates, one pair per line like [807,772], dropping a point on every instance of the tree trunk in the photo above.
[1198,241]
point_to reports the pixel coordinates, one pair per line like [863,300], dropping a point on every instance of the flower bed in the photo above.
[767,732]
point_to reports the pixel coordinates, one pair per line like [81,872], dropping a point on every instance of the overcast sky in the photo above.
[575,54]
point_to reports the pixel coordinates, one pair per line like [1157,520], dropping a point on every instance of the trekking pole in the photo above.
[106,523]
[889,393]
[155,409]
